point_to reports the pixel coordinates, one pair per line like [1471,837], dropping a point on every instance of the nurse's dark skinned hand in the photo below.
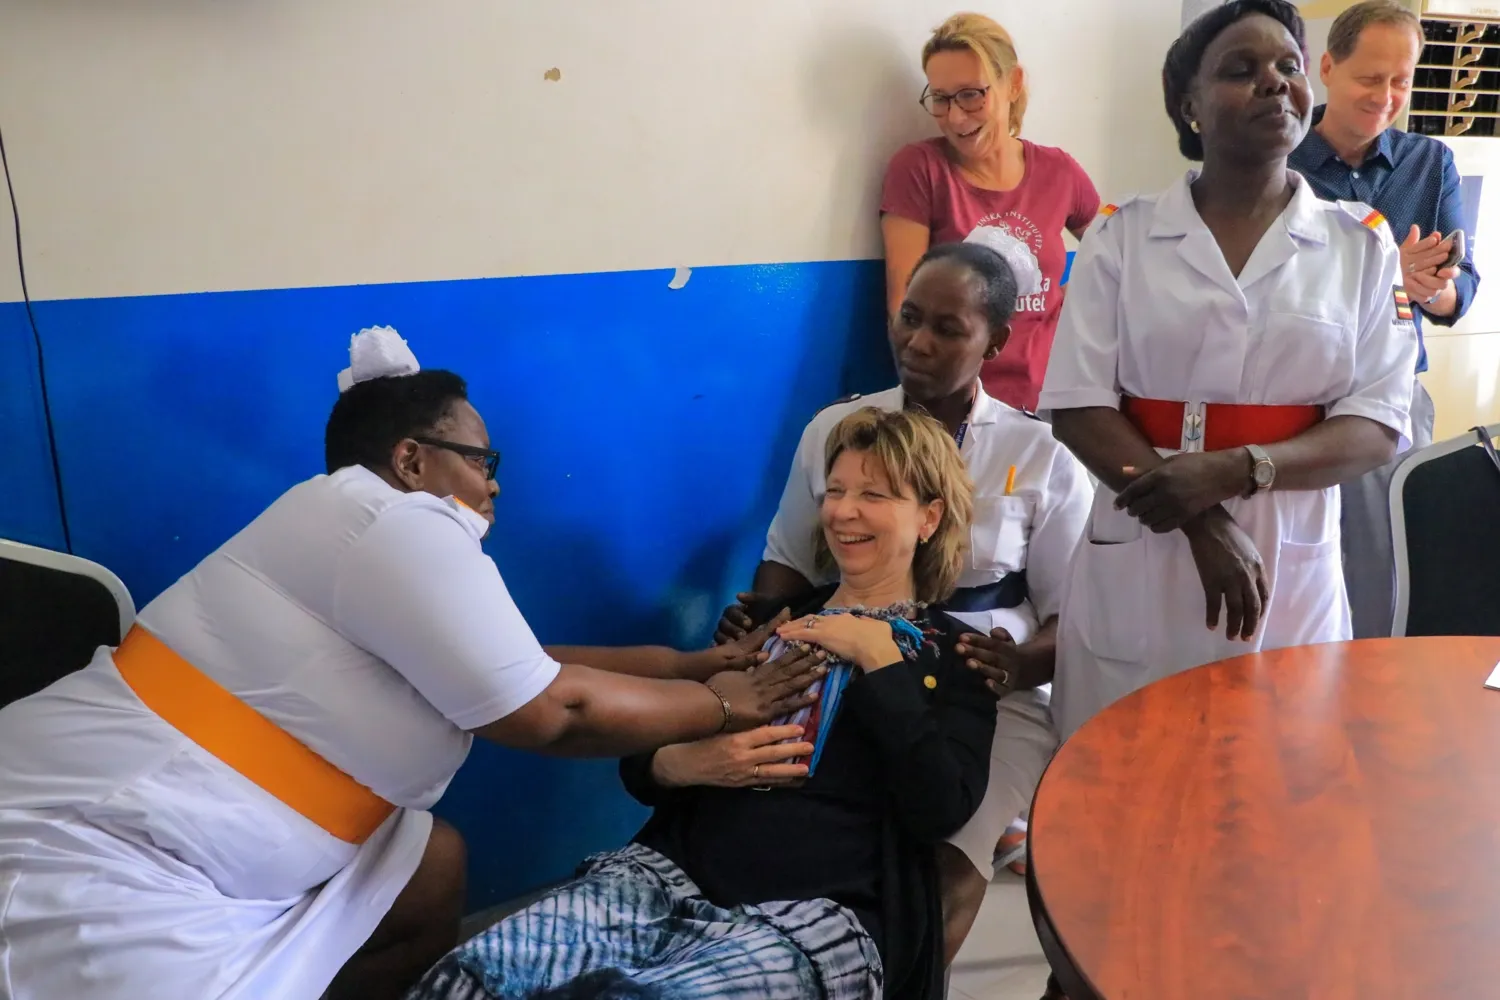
[735,622]
[743,653]
[1230,567]
[1182,487]
[773,689]
[1004,665]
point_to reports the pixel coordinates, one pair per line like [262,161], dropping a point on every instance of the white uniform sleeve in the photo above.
[1060,523]
[417,591]
[1385,351]
[789,540]
[1083,368]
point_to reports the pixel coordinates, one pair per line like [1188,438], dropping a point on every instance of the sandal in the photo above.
[1011,851]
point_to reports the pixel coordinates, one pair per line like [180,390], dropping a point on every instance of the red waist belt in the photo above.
[1216,426]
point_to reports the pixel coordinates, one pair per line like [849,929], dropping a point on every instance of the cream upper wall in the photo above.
[163,146]
[10,278]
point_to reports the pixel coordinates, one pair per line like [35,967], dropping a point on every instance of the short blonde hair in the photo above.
[1348,27]
[996,50]
[920,458]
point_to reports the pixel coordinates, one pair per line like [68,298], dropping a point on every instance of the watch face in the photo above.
[1264,473]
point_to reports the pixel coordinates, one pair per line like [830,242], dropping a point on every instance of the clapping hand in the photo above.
[1422,260]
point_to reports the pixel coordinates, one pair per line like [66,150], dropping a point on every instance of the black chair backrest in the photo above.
[1451,513]
[51,622]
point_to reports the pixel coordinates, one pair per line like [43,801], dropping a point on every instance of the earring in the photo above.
[989,354]
[1193,125]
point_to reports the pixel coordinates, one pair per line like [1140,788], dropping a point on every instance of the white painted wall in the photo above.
[10,278]
[164,146]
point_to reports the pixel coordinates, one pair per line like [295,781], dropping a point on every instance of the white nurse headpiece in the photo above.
[1018,255]
[377,352]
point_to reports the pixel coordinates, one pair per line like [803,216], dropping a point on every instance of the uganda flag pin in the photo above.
[1403,305]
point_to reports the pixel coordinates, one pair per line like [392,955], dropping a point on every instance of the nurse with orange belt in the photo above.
[233,805]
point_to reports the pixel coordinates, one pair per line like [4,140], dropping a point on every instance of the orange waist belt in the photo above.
[205,712]
[1216,426]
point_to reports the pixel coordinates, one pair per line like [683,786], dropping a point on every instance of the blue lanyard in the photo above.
[963,432]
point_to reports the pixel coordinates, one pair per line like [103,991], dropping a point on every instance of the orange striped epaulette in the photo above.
[1370,218]
[1107,212]
[1112,208]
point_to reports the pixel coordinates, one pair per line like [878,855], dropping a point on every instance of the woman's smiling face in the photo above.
[873,525]
[973,134]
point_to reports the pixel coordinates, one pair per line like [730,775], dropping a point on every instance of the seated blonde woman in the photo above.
[823,888]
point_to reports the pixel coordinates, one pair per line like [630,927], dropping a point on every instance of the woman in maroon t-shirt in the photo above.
[981,173]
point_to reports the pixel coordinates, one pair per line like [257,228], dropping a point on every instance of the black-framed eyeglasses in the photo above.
[488,456]
[970,99]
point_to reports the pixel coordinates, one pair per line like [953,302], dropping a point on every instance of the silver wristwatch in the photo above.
[1262,471]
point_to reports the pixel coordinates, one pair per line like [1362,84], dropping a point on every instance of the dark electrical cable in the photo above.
[41,364]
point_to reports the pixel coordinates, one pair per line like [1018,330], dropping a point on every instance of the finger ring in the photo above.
[1411,268]
[811,622]
[755,772]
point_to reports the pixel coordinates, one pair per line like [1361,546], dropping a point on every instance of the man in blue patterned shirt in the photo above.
[1352,153]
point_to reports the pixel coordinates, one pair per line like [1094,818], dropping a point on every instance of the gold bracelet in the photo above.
[728,712]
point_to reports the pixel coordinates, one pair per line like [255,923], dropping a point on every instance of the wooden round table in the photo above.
[1317,823]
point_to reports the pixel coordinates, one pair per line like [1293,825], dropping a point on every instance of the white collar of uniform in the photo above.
[476,522]
[985,410]
[1176,215]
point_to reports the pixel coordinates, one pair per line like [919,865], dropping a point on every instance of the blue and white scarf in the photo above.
[818,718]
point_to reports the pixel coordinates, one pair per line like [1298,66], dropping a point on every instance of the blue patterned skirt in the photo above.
[633,926]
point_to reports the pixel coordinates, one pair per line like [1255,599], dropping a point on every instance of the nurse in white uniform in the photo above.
[233,803]
[1230,350]
[1031,499]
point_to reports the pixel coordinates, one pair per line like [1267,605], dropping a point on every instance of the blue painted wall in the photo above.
[29,510]
[645,435]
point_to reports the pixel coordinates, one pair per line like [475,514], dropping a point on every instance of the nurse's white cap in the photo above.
[1018,255]
[377,352]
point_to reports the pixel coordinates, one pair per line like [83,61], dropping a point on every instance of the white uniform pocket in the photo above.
[1308,603]
[1295,343]
[1112,604]
[999,532]
[1108,526]
[1113,616]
